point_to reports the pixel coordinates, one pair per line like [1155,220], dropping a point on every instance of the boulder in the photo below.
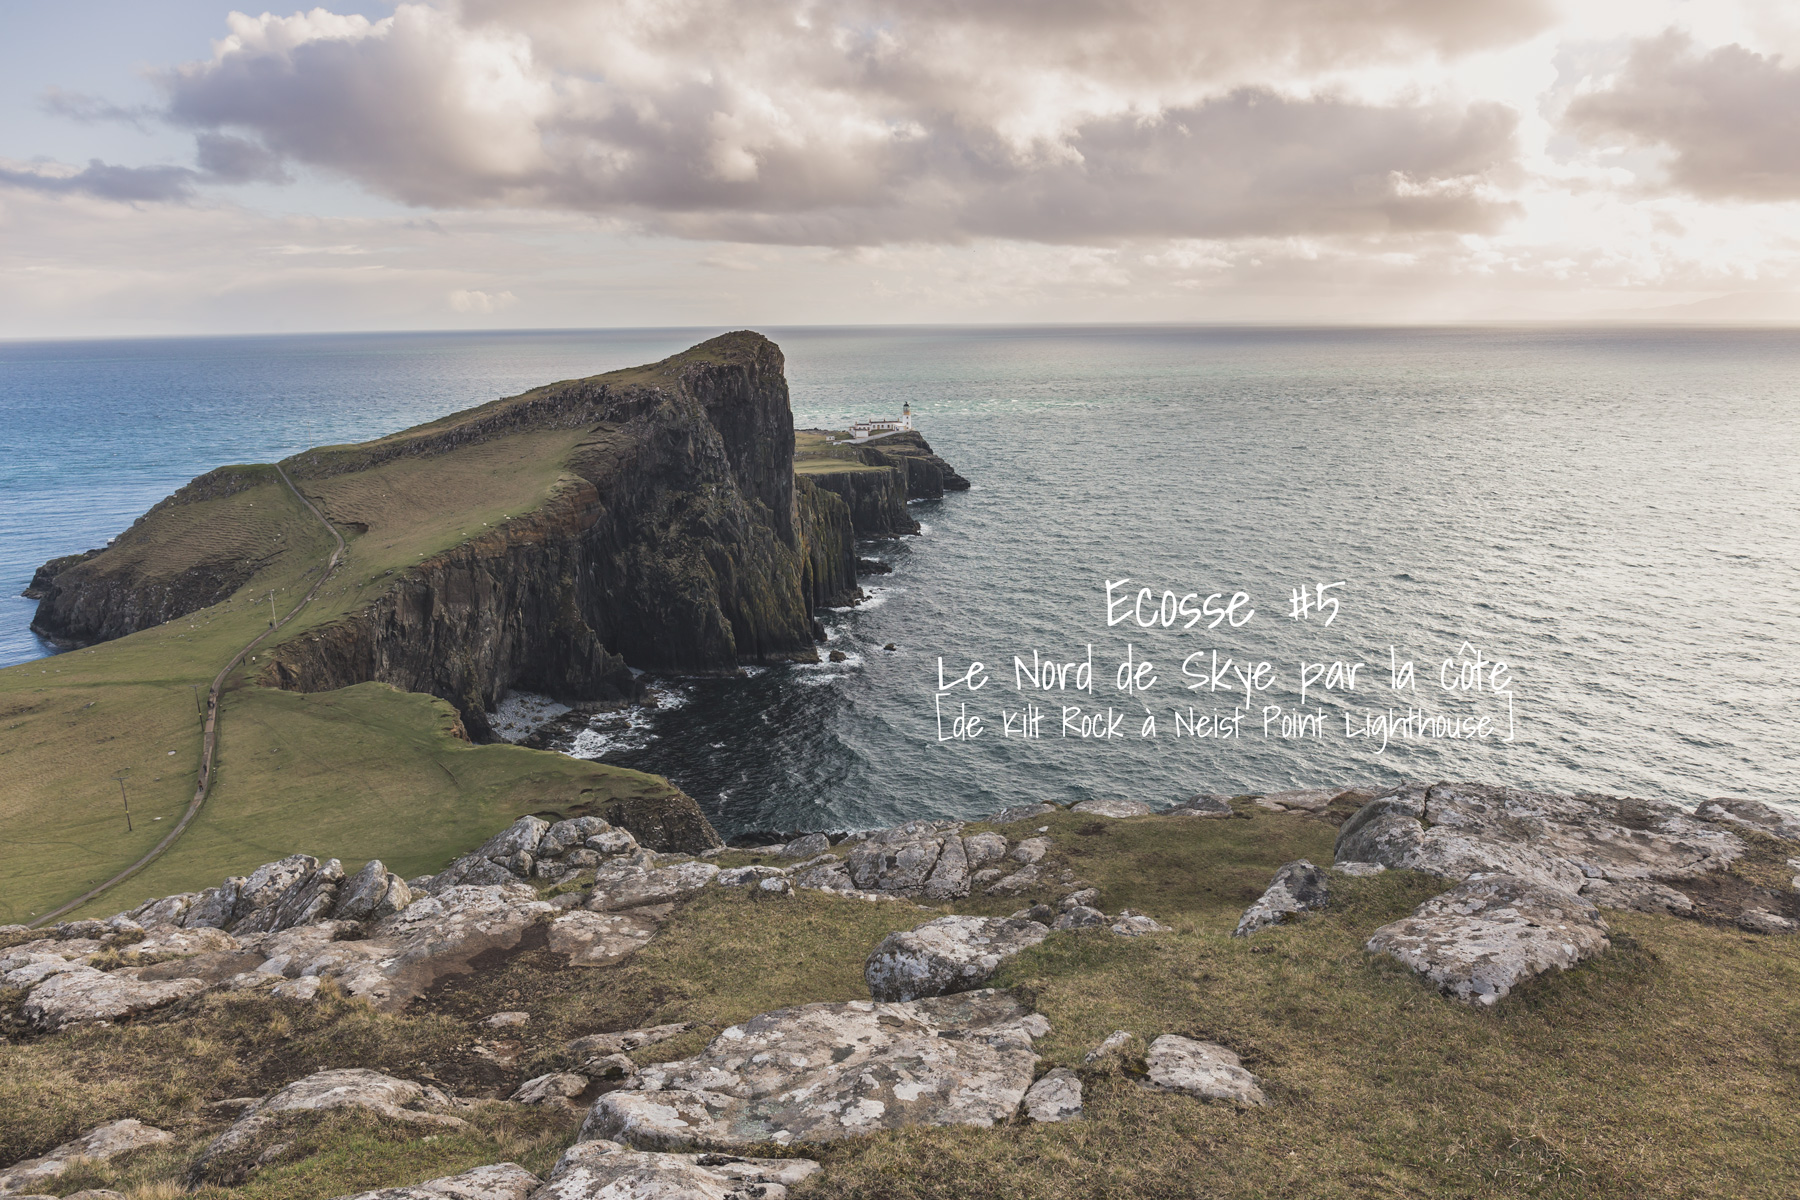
[1305,800]
[1114,1044]
[984,848]
[622,885]
[611,842]
[592,939]
[211,908]
[1358,870]
[1484,937]
[81,995]
[1761,920]
[498,1181]
[747,876]
[46,950]
[558,1088]
[309,898]
[1556,840]
[949,954]
[506,1020]
[1031,850]
[264,887]
[163,943]
[1022,880]
[568,835]
[1086,897]
[810,846]
[1203,1069]
[1298,887]
[1080,917]
[820,1072]
[1637,895]
[901,859]
[825,873]
[1130,924]
[1113,807]
[1751,814]
[625,1042]
[407,952]
[521,837]
[227,1158]
[472,870]
[1204,804]
[371,894]
[949,876]
[605,1170]
[166,910]
[99,1144]
[1055,1097]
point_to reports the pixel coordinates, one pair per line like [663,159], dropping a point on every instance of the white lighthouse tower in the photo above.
[864,430]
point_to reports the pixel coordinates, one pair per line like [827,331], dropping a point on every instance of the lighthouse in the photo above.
[906,415]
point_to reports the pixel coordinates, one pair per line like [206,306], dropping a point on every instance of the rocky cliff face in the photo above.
[907,469]
[99,595]
[683,545]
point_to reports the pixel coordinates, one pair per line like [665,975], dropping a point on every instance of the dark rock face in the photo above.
[99,595]
[877,499]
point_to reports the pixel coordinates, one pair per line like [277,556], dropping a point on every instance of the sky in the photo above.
[184,167]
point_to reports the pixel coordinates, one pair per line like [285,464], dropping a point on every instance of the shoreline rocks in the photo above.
[950,954]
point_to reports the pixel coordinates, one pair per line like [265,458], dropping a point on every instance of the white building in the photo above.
[864,430]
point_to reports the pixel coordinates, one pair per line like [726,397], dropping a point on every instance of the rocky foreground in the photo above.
[1528,878]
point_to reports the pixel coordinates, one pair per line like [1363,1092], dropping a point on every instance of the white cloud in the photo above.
[469,300]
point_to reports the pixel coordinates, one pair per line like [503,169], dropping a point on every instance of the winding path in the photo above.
[209,742]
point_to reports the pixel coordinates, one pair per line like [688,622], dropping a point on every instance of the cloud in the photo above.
[77,106]
[106,182]
[226,159]
[875,121]
[1729,117]
[470,301]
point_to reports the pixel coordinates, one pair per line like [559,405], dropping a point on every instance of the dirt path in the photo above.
[209,741]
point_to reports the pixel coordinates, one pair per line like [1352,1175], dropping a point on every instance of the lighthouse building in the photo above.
[863,430]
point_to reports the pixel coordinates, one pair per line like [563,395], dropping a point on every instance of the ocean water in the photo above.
[1612,514]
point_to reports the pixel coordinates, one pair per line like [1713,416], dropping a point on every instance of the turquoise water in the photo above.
[1611,513]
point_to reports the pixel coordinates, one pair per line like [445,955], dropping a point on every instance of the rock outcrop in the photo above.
[1484,937]
[821,1072]
[605,1170]
[950,954]
[98,1145]
[1297,887]
[1203,1069]
[498,1181]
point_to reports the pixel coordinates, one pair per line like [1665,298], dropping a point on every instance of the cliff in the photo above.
[670,533]
[875,479]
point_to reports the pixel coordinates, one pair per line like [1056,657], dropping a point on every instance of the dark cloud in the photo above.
[76,106]
[872,122]
[108,182]
[226,159]
[1730,117]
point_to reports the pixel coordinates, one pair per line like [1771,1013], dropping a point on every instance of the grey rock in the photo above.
[1114,1044]
[609,1066]
[1204,804]
[211,908]
[1203,1069]
[1297,887]
[1484,937]
[88,930]
[1751,814]
[1559,841]
[1304,800]
[1055,1097]
[1761,920]
[97,1145]
[1116,808]
[592,939]
[521,837]
[747,876]
[167,910]
[1087,897]
[949,954]
[1637,895]
[1021,812]
[1358,870]
[82,995]
[829,874]
[1130,924]
[47,949]
[506,1020]
[1080,917]
[567,835]
[1031,850]
[777,886]
[949,876]
[611,843]
[605,1170]
[437,936]
[629,1040]
[497,1181]
[810,846]
[1022,880]
[621,885]
[371,894]
[558,1088]
[1043,914]
[264,887]
[984,877]
[825,1071]
[471,870]
[901,859]
[984,848]
[384,1095]
[308,898]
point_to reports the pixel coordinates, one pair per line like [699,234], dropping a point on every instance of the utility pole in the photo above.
[271,608]
[123,797]
[197,711]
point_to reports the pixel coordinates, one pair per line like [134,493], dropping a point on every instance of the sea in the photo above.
[1192,559]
